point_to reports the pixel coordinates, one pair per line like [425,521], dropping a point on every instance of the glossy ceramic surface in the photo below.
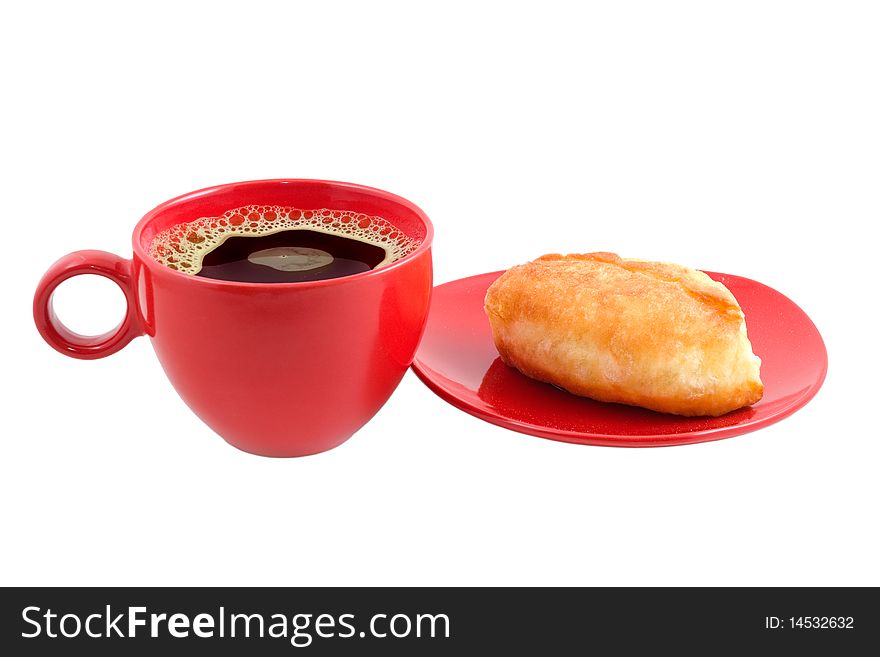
[458,360]
[282,369]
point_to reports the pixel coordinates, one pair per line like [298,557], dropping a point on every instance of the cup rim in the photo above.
[157,267]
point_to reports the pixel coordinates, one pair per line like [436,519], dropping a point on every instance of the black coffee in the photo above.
[290,256]
[281,244]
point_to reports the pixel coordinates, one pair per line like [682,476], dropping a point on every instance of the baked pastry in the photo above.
[651,334]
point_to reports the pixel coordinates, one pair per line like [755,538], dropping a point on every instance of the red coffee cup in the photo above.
[279,369]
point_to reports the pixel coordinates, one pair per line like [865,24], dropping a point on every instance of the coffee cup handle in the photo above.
[118,270]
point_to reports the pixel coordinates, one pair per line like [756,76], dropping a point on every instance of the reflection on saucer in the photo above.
[526,400]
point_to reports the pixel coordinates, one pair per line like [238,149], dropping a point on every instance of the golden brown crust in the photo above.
[650,334]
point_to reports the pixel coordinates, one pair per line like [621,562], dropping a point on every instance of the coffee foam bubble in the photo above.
[182,247]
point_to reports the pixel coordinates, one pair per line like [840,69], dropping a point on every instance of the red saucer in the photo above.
[458,360]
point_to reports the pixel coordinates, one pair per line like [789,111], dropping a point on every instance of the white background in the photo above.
[737,137]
